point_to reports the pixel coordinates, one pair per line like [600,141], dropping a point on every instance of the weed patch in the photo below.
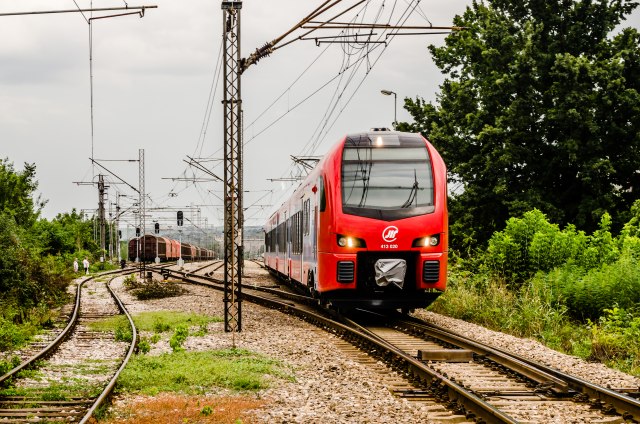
[157,321]
[199,372]
[155,289]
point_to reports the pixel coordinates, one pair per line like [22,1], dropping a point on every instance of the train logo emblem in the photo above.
[390,234]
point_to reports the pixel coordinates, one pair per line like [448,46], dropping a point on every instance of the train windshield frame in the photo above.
[386,176]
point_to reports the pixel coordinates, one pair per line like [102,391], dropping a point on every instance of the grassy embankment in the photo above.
[576,293]
[183,385]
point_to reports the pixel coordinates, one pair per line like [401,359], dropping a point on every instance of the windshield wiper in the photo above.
[413,194]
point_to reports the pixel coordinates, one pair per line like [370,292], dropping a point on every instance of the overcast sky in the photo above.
[151,82]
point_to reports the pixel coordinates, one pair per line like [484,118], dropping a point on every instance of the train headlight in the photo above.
[345,241]
[430,241]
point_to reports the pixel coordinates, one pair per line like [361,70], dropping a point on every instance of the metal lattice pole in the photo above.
[101,216]
[232,167]
[141,208]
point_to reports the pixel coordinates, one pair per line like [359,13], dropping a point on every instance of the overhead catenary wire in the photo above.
[359,53]
[403,18]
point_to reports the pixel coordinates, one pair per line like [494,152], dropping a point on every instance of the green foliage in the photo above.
[616,283]
[179,337]
[198,372]
[123,333]
[160,326]
[37,255]
[540,109]
[527,312]
[16,193]
[12,335]
[155,289]
[68,234]
[156,321]
[615,339]
[144,346]
[536,280]
[163,321]
[6,366]
[531,244]
[130,281]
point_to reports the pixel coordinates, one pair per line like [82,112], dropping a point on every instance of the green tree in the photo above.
[540,109]
[65,234]
[17,191]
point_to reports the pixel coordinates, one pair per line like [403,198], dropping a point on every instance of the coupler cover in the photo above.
[390,271]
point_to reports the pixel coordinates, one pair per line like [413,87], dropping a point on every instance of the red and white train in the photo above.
[368,226]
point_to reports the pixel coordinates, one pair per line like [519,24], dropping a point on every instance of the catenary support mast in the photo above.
[232,105]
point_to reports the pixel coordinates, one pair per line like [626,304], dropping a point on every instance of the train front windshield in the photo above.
[386,176]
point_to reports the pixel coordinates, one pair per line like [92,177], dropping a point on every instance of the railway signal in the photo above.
[157,228]
[180,218]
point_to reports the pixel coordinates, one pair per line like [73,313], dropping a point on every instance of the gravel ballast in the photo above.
[330,386]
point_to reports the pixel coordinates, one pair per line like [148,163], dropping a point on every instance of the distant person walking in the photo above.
[85,263]
[75,265]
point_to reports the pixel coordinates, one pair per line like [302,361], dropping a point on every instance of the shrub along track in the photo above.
[471,379]
[71,377]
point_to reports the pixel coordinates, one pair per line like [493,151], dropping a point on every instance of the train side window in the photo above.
[305,216]
[323,199]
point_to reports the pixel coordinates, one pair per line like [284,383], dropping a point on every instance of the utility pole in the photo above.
[117,224]
[141,208]
[232,105]
[101,215]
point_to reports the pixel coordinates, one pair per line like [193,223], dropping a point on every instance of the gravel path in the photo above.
[330,386]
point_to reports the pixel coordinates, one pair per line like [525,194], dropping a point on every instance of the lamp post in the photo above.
[395,105]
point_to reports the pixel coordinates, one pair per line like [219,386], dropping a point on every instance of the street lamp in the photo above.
[395,105]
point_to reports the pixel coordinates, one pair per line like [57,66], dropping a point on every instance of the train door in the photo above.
[278,246]
[301,232]
[287,256]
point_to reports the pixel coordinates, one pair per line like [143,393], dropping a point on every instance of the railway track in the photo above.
[475,382]
[73,375]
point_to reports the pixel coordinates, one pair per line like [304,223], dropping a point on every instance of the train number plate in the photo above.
[388,246]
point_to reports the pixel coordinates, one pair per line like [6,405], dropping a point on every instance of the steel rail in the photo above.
[534,372]
[626,406]
[61,337]
[112,383]
[557,381]
[475,406]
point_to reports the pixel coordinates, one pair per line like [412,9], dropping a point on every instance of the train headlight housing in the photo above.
[346,241]
[430,241]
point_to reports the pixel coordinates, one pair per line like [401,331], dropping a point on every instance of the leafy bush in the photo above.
[531,244]
[155,289]
[130,281]
[616,283]
[615,339]
[123,332]
[6,366]
[179,337]
[144,346]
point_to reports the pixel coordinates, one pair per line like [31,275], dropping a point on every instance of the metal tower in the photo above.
[232,106]
[141,208]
